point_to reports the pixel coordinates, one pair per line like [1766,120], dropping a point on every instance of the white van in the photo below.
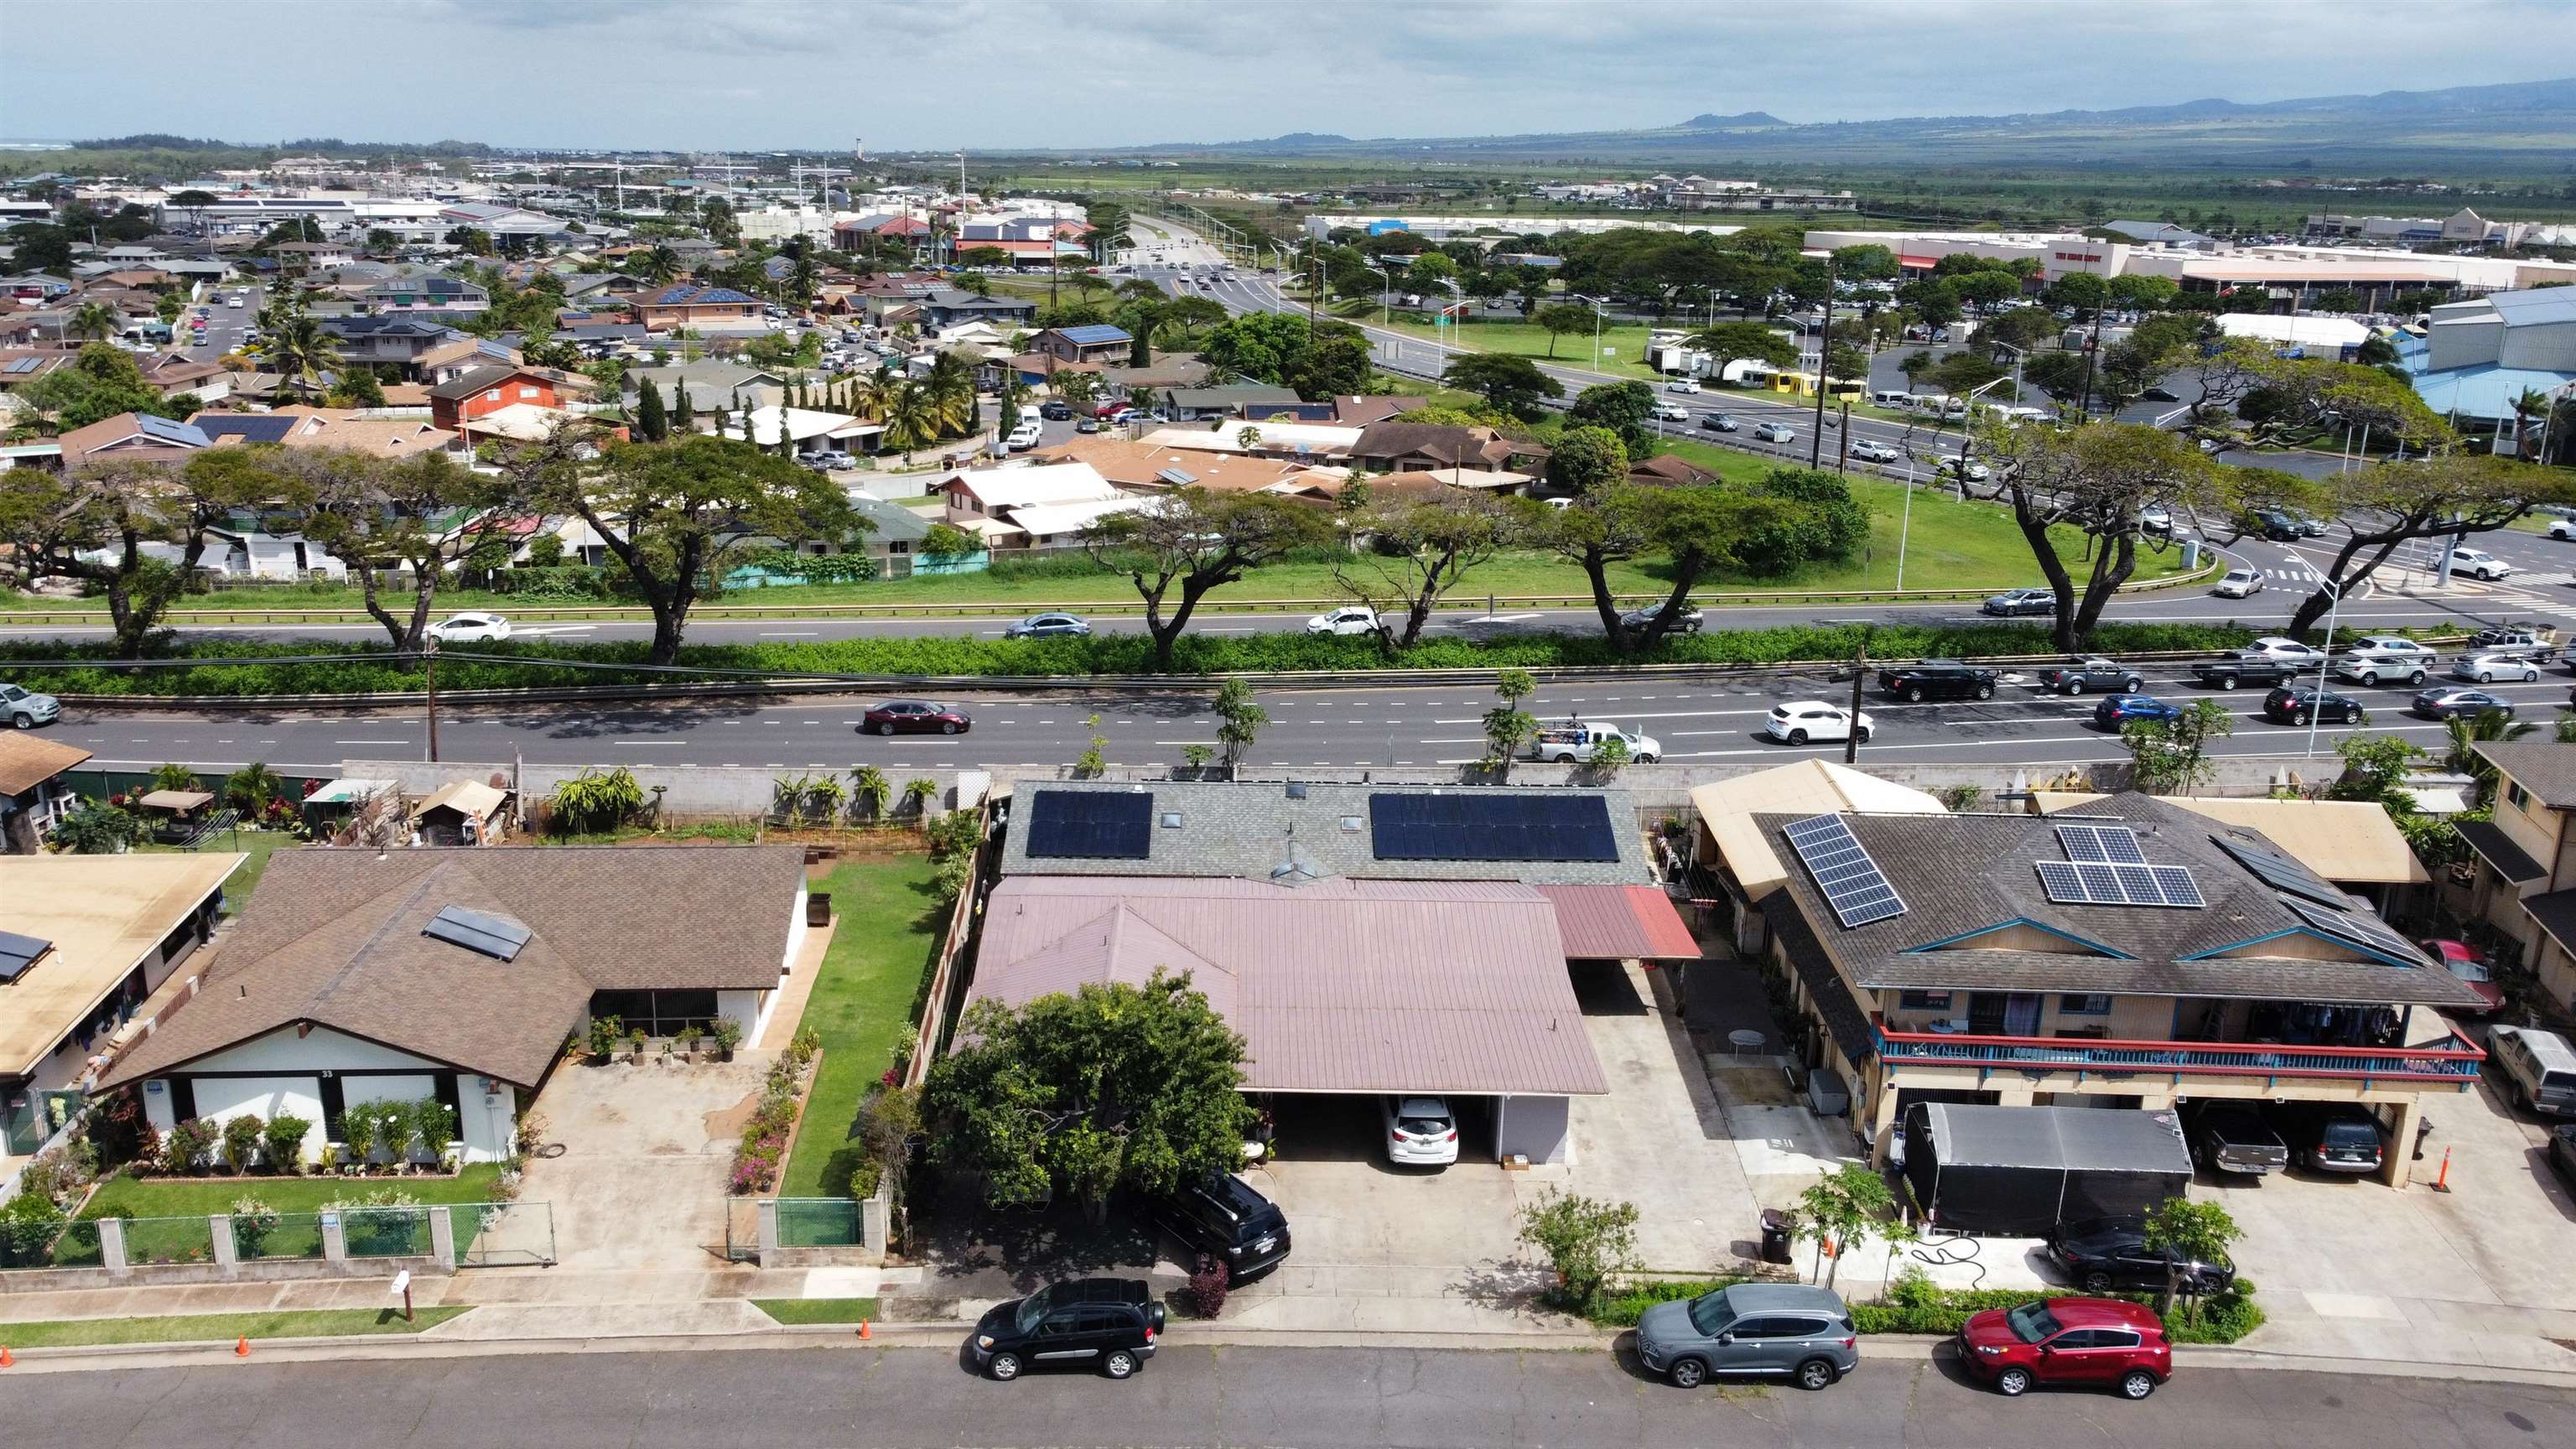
[1893,398]
[2541,1066]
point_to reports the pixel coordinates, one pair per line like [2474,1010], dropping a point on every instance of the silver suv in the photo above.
[1749,1329]
[27,709]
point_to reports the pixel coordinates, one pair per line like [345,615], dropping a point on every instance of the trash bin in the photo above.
[2423,1129]
[1775,1236]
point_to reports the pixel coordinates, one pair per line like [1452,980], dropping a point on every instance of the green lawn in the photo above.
[259,845]
[168,1197]
[1623,344]
[216,1327]
[885,933]
[794,1311]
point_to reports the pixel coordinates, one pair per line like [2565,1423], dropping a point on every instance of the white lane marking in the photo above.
[355,742]
[640,743]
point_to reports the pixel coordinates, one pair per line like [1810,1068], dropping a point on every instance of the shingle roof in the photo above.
[1338,986]
[1962,875]
[249,427]
[2497,849]
[691,294]
[335,937]
[894,522]
[26,761]
[466,385]
[2544,767]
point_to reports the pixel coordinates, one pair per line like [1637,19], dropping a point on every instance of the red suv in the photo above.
[2070,1341]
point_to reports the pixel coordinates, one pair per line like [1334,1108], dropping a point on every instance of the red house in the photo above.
[487,390]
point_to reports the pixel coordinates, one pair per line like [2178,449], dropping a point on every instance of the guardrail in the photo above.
[2451,1064]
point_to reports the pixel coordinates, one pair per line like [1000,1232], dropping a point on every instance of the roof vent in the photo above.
[495,936]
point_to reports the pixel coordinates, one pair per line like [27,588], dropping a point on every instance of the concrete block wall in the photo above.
[689,792]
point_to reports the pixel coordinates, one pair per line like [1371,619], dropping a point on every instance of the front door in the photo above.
[2021,1013]
[1986,1013]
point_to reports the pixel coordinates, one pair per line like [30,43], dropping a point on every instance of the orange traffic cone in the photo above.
[863,1329]
[241,1347]
[5,1360]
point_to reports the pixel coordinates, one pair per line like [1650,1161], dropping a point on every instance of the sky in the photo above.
[1002,74]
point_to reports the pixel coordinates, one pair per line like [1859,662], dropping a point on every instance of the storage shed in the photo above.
[2019,1171]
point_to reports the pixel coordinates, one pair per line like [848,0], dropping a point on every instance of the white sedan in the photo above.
[1349,619]
[471,629]
[1802,720]
[2488,668]
[1875,453]
[1420,1131]
[2273,646]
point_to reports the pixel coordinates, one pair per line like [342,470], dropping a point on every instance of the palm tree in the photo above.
[2533,403]
[297,349]
[871,391]
[96,321]
[911,418]
[660,264]
[2466,732]
[951,390]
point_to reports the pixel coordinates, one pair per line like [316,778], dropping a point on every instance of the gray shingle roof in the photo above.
[2543,766]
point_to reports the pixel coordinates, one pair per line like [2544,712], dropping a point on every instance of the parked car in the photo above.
[2331,1136]
[2119,709]
[2107,1341]
[2562,1151]
[1775,432]
[1348,619]
[2469,964]
[1581,740]
[1025,436]
[1869,452]
[915,717]
[2232,1137]
[2445,702]
[2371,668]
[2298,704]
[1055,410]
[830,459]
[2020,601]
[2103,1257]
[1420,1131]
[1720,422]
[2238,583]
[1751,1330]
[1936,679]
[2540,1065]
[470,629]
[1223,1217]
[1812,719]
[2091,673]
[2490,667]
[1041,626]
[1688,621]
[2479,564]
[1104,1323]
[1087,425]
[28,709]
[1682,384]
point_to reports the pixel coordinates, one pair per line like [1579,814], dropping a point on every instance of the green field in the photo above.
[216,1327]
[795,1311]
[885,933]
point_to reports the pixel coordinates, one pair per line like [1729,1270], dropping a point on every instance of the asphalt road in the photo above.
[1318,1398]
[223,324]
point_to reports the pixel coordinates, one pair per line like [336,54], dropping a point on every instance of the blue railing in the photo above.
[2455,1062]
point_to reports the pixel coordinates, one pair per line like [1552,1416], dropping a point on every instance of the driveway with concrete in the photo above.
[640,1186]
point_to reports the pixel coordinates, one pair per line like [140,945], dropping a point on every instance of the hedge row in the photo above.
[363,669]
[1922,1308]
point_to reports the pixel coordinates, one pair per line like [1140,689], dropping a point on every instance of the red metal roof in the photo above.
[1621,922]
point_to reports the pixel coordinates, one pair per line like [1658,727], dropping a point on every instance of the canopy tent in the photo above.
[2019,1171]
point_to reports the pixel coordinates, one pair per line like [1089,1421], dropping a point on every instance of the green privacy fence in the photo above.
[818,1222]
[386,1232]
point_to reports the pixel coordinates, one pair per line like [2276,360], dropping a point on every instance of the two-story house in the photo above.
[695,304]
[2130,953]
[1098,342]
[438,296]
[487,390]
[398,340]
[2525,873]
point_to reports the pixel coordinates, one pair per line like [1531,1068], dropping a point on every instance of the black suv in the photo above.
[2297,704]
[2104,1254]
[2333,1137]
[1937,679]
[1224,1218]
[1104,1323]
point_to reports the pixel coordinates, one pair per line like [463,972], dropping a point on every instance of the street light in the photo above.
[1385,293]
[1860,676]
[2317,707]
[1595,303]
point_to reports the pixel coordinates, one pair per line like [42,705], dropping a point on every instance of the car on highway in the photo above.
[1576,741]
[2243,666]
[2232,1137]
[2020,601]
[2369,669]
[1045,626]
[2274,646]
[2538,645]
[1775,432]
[2238,584]
[1221,1216]
[915,717]
[1348,619]
[1956,466]
[2471,966]
[2562,529]
[2270,523]
[2299,704]
[1672,412]
[2101,1256]
[1869,452]
[28,709]
[2451,701]
[1682,384]
[1720,422]
[1688,621]
[470,629]
[2487,668]
[1751,1330]
[1936,679]
[2397,644]
[2479,564]
[1420,1131]
[2118,709]
[2095,1341]
[1802,720]
[2092,672]
[1105,1323]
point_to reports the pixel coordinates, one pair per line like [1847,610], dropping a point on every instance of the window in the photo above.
[1923,1001]
[493,396]
[2520,797]
[527,394]
[2093,1004]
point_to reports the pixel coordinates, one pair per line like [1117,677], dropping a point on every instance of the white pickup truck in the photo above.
[1568,743]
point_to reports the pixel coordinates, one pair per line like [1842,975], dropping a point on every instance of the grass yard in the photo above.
[885,933]
[794,1311]
[169,1197]
[259,845]
[216,1327]
[1623,344]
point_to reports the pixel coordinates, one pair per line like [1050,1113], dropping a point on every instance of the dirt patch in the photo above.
[1754,1086]
[725,1124]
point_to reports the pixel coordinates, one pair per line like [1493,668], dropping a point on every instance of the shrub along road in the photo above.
[1321,1398]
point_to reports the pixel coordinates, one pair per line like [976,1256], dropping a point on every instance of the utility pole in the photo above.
[1816,444]
[429,658]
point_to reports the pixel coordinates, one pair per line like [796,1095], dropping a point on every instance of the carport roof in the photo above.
[1336,986]
[1624,923]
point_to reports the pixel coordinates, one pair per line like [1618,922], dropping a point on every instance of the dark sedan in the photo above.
[2447,703]
[2100,1257]
[2119,709]
[1720,422]
[2307,703]
[915,717]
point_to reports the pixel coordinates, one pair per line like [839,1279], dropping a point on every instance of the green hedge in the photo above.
[364,669]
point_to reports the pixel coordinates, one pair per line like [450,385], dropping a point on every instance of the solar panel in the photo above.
[498,937]
[2281,872]
[2098,883]
[1853,885]
[1092,824]
[17,953]
[1408,826]
[2113,844]
[2356,928]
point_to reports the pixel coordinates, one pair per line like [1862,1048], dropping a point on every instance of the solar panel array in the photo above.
[2098,883]
[2355,928]
[2280,872]
[498,937]
[17,953]
[1092,824]
[1853,884]
[1423,826]
[25,364]
[2104,844]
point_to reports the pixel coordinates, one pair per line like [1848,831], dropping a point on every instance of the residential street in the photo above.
[1320,1398]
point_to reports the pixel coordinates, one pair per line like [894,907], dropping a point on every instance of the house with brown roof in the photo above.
[1395,445]
[1664,470]
[1141,466]
[34,796]
[1360,410]
[138,437]
[460,974]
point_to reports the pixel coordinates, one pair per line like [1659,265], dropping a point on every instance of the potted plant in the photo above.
[605,1033]
[688,1039]
[728,1035]
[358,1130]
[635,1047]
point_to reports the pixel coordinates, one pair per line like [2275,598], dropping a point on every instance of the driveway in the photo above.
[641,1183]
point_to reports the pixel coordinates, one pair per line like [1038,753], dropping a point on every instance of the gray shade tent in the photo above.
[2019,1171]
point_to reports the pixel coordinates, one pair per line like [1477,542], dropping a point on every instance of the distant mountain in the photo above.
[2528,124]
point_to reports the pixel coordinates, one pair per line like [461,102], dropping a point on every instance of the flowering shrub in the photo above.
[771,1129]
